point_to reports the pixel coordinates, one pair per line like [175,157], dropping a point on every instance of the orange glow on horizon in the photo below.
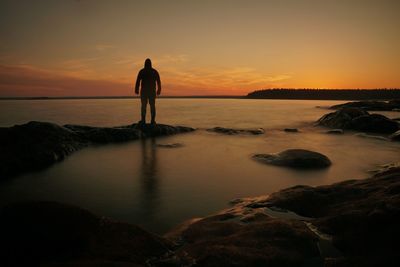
[85,48]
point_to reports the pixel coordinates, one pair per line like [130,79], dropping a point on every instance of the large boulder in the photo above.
[52,234]
[342,118]
[295,158]
[375,123]
[359,120]
[36,145]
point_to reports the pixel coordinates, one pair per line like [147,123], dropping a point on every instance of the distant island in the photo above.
[326,94]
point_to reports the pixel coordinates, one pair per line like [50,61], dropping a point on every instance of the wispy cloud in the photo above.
[27,80]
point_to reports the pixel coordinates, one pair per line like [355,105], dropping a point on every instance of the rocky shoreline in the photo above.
[37,145]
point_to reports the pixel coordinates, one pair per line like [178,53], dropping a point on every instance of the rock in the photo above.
[395,136]
[358,120]
[230,131]
[295,158]
[335,131]
[370,105]
[375,123]
[36,233]
[36,145]
[361,215]
[238,237]
[291,130]
[172,145]
[342,118]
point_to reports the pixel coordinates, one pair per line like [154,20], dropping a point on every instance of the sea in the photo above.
[159,187]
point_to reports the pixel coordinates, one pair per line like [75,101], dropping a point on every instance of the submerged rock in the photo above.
[370,105]
[295,158]
[358,120]
[171,145]
[230,131]
[335,131]
[291,130]
[36,145]
[40,233]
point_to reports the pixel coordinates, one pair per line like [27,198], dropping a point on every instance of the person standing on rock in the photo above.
[147,79]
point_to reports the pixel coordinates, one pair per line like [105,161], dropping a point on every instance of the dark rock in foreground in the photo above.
[36,145]
[239,237]
[363,216]
[296,158]
[230,131]
[34,233]
[359,120]
[371,105]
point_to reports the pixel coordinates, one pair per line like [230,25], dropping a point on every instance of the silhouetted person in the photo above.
[147,79]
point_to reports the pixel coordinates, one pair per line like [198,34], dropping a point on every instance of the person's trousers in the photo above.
[151,99]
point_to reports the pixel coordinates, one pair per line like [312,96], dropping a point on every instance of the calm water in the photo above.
[156,187]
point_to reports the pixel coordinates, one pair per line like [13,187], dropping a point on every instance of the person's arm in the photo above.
[139,77]
[158,84]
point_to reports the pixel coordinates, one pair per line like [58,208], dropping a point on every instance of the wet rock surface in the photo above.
[371,105]
[36,145]
[295,158]
[231,131]
[361,215]
[359,120]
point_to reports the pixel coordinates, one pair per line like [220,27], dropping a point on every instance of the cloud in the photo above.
[26,80]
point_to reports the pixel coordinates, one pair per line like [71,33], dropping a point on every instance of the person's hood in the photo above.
[147,64]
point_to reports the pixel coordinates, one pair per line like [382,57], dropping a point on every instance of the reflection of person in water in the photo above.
[149,178]
[147,79]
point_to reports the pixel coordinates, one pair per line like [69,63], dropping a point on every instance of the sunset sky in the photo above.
[208,47]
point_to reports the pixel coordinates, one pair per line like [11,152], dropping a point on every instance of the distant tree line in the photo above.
[331,94]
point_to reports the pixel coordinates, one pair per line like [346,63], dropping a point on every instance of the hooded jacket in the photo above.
[147,80]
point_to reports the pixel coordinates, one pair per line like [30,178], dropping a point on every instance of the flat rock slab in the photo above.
[295,158]
[232,131]
[36,145]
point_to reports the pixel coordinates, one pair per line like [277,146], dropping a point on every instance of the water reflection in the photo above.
[149,179]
